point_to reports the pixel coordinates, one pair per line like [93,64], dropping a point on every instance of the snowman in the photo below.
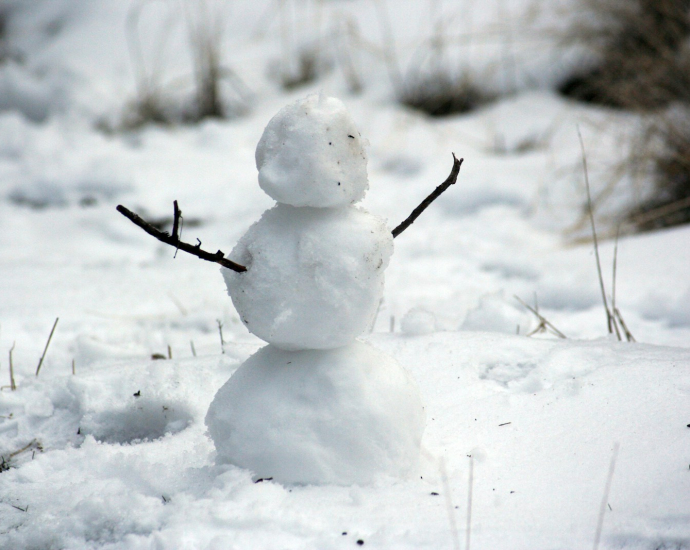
[315,405]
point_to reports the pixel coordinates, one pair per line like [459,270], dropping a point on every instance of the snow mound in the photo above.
[418,321]
[496,314]
[340,416]
[314,276]
[311,154]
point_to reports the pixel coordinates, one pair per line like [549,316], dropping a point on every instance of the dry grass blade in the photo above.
[50,337]
[470,488]
[613,284]
[33,444]
[449,505]
[609,316]
[628,335]
[13,386]
[220,333]
[544,324]
[645,218]
[605,499]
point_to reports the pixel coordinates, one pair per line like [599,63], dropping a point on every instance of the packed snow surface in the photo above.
[311,154]
[314,276]
[338,416]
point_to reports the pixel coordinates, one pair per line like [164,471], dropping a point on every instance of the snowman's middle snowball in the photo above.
[314,276]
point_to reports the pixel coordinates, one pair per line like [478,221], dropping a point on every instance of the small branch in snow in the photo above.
[452,178]
[50,337]
[174,240]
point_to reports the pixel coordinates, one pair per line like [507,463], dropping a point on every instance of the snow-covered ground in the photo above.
[117,454]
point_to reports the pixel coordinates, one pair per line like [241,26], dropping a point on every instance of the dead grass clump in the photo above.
[211,91]
[641,51]
[441,94]
[668,156]
[306,68]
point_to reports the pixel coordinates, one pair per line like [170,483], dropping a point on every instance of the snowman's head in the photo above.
[311,154]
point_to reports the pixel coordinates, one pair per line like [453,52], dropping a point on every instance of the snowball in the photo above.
[311,154]
[338,416]
[418,321]
[496,314]
[314,276]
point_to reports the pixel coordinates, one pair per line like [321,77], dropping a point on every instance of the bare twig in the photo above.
[13,386]
[191,343]
[176,221]
[452,178]
[542,320]
[609,316]
[164,237]
[605,499]
[40,362]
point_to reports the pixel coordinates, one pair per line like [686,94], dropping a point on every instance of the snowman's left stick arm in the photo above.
[450,180]
[174,239]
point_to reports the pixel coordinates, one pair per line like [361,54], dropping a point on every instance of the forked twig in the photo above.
[174,240]
[452,178]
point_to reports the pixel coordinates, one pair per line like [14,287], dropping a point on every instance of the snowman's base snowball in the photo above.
[337,416]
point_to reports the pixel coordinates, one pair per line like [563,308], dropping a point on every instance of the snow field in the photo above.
[539,419]
[105,469]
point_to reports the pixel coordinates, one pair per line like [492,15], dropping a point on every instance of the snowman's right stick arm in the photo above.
[450,180]
[174,239]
